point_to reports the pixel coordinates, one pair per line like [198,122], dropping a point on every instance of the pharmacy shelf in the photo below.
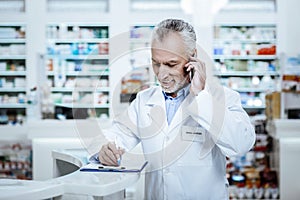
[247,73]
[80,40]
[77,105]
[139,46]
[12,89]
[78,89]
[13,41]
[94,63]
[12,73]
[12,57]
[253,107]
[251,89]
[13,105]
[247,57]
[79,57]
[80,73]
[245,41]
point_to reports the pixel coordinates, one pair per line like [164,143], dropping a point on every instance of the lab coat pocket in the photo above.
[196,155]
[174,188]
[191,175]
[198,152]
[195,160]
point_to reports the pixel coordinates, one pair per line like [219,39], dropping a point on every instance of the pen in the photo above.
[117,146]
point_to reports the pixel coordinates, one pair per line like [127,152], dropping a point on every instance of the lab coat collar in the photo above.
[158,99]
[158,115]
[180,114]
[158,96]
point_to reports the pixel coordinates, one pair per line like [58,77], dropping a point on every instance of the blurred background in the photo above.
[62,60]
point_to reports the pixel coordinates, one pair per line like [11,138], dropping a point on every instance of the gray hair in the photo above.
[184,29]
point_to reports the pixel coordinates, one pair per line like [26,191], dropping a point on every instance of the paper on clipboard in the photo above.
[97,167]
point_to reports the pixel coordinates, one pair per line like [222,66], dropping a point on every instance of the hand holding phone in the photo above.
[189,70]
[197,74]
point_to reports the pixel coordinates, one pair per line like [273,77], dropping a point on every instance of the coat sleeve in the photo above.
[220,112]
[123,131]
[124,128]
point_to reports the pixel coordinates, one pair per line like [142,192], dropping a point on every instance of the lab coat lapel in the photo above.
[180,114]
[157,99]
[158,111]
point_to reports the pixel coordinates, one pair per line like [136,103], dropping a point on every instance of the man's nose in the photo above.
[163,72]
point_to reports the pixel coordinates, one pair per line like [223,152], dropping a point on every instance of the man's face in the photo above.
[168,60]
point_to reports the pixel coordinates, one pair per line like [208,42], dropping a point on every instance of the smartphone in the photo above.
[191,74]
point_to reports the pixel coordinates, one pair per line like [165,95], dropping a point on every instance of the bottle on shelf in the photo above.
[13,72]
[77,68]
[246,61]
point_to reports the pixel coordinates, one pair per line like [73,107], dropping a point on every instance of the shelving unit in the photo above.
[77,68]
[246,61]
[13,98]
[15,160]
[139,77]
[290,87]
[57,6]
[15,6]
[39,14]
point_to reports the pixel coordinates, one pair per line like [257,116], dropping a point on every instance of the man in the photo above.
[186,125]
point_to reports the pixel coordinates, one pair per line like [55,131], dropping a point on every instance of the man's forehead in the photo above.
[166,60]
[166,55]
[164,50]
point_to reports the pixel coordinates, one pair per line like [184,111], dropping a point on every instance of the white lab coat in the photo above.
[187,157]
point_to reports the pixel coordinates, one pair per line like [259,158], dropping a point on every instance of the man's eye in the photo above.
[156,64]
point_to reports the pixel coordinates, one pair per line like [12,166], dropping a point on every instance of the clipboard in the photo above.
[97,167]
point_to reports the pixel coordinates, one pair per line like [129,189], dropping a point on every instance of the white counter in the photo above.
[284,128]
[34,190]
[110,185]
[77,184]
[47,135]
[287,134]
